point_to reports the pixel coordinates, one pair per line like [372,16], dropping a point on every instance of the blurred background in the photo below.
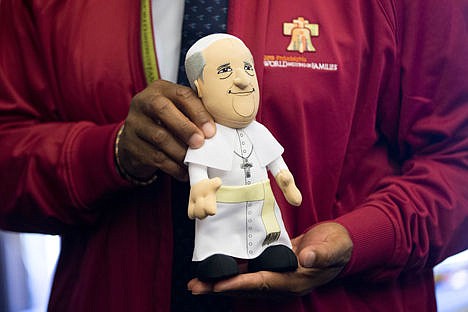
[27,263]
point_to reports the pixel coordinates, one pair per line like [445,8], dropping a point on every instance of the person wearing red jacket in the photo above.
[369,100]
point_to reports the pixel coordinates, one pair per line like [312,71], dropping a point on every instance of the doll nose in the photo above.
[241,80]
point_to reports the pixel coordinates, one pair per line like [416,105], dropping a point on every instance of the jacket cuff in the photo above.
[91,165]
[373,236]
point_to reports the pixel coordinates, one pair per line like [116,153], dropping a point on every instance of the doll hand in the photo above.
[323,252]
[202,201]
[286,182]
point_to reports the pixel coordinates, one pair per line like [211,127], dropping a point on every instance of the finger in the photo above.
[295,242]
[244,282]
[321,256]
[148,158]
[163,159]
[162,139]
[210,209]
[166,164]
[263,281]
[188,102]
[294,195]
[325,245]
[216,183]
[190,211]
[198,287]
[199,209]
[164,110]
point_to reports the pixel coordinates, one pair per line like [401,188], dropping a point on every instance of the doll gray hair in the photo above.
[194,61]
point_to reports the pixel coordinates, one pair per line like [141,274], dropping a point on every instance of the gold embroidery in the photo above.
[150,64]
[301,33]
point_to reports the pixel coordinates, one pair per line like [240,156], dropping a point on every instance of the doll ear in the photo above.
[197,85]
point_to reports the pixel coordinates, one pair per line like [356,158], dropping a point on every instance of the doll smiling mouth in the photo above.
[242,92]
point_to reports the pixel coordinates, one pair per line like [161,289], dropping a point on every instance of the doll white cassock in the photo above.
[247,219]
[237,229]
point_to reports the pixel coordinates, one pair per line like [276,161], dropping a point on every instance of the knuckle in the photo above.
[159,136]
[161,103]
[159,85]
[156,84]
[132,127]
[199,112]
[137,99]
[186,127]
[158,158]
[142,100]
[264,285]
[199,214]
[184,92]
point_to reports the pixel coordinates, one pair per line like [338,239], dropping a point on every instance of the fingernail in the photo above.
[208,129]
[308,259]
[196,140]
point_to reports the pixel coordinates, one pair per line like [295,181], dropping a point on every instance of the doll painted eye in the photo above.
[224,71]
[249,69]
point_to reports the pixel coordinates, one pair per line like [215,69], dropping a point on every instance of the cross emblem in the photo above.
[246,166]
[301,33]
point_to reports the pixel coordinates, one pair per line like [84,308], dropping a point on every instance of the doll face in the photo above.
[229,87]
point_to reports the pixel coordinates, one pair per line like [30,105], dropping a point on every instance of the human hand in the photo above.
[286,182]
[162,121]
[323,252]
[202,201]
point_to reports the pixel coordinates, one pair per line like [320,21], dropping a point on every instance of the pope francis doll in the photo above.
[237,217]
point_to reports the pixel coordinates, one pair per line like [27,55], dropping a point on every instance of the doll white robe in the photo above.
[237,229]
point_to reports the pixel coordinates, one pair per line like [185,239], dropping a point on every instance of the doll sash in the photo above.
[255,192]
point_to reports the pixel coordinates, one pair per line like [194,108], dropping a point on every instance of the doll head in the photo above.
[220,69]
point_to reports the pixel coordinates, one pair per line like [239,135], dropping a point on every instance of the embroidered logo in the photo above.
[301,32]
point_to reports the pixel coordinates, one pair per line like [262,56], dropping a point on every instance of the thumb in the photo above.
[315,257]
[325,245]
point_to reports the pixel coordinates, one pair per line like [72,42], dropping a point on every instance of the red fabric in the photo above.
[379,145]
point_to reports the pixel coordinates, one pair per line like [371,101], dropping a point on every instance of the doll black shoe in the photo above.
[216,267]
[277,258]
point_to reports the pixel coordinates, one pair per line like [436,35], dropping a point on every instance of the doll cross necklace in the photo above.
[246,165]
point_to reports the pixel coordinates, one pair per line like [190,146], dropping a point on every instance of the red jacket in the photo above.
[374,124]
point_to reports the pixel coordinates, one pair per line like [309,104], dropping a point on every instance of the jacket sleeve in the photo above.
[52,173]
[416,219]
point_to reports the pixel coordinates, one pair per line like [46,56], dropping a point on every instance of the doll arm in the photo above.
[285,181]
[202,200]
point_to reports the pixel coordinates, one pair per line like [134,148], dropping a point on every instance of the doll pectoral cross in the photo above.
[246,167]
